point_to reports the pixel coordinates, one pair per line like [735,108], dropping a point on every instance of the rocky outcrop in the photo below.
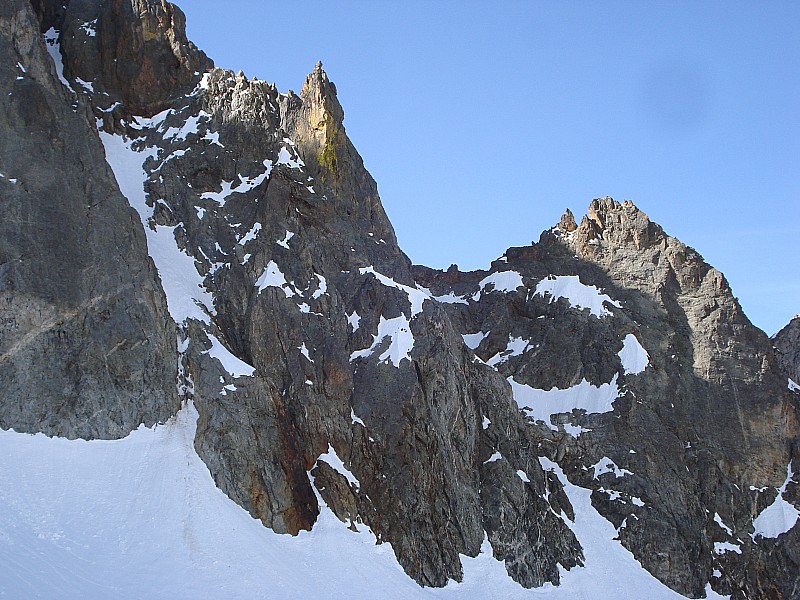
[314,120]
[134,51]
[86,346]
[787,343]
[309,338]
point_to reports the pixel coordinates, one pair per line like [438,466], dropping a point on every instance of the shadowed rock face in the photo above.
[322,337]
[86,346]
[405,414]
[787,343]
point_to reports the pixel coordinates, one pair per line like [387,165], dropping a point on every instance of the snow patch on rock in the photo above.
[502,281]
[244,185]
[354,320]
[578,295]
[633,356]
[54,50]
[231,363]
[473,340]
[779,517]
[415,296]
[285,241]
[450,298]
[606,465]
[541,404]
[183,285]
[493,458]
[610,570]
[337,465]
[272,277]
[398,330]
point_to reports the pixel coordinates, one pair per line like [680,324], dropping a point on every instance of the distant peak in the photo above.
[606,212]
[606,219]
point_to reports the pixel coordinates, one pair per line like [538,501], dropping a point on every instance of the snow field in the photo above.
[142,517]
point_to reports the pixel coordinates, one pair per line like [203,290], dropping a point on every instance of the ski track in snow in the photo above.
[141,517]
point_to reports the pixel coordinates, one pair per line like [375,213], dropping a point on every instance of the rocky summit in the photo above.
[177,234]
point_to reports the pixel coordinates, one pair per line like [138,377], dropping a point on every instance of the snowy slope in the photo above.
[141,517]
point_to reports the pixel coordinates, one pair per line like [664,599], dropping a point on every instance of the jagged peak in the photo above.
[319,95]
[794,323]
[611,221]
[567,223]
[603,211]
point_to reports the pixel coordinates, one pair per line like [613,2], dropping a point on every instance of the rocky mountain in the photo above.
[178,233]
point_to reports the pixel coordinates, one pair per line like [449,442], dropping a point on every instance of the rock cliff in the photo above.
[86,346]
[787,343]
[428,406]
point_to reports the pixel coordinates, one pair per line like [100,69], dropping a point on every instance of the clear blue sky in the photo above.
[482,122]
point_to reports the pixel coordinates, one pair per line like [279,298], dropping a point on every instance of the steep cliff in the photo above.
[438,409]
[787,343]
[86,347]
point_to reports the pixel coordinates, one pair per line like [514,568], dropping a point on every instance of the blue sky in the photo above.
[482,122]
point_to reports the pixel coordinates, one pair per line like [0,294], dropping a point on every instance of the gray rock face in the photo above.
[313,335]
[705,425]
[787,343]
[267,195]
[86,346]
